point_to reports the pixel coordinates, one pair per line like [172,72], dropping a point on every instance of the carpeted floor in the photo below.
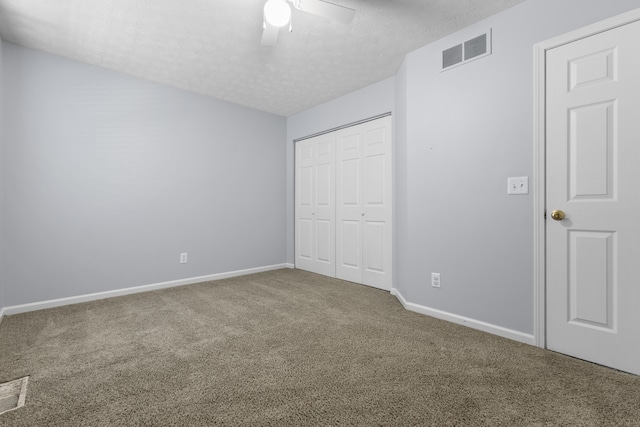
[290,348]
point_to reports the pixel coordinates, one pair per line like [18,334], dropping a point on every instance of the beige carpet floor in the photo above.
[290,348]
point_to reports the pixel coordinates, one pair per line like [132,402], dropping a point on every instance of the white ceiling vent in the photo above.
[475,48]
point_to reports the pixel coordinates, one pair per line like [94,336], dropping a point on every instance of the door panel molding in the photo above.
[539,155]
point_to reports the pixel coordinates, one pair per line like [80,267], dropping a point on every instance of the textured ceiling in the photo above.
[213,46]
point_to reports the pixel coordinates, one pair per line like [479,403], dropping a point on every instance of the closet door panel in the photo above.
[304,188]
[315,205]
[349,204]
[325,208]
[377,204]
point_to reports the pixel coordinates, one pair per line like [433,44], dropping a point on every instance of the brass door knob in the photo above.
[558,215]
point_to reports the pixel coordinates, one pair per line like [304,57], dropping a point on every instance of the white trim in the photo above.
[1,314]
[539,158]
[539,197]
[465,321]
[23,308]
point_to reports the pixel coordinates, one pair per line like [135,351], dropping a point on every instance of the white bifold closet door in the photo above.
[364,204]
[315,205]
[343,204]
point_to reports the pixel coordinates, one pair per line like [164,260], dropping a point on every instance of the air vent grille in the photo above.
[475,47]
[452,56]
[470,50]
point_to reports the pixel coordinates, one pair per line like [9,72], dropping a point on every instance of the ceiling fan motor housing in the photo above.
[277,13]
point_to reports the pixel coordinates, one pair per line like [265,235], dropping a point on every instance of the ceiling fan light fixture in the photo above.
[277,13]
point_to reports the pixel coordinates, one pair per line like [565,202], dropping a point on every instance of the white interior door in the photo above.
[315,205]
[593,176]
[364,204]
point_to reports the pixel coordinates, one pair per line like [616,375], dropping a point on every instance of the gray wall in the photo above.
[458,136]
[467,130]
[109,178]
[370,101]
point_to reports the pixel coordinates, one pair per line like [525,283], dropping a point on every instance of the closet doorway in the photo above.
[343,203]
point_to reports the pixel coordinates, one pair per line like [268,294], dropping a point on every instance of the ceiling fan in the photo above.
[277,14]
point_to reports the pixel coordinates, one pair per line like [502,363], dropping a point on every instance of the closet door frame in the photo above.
[375,220]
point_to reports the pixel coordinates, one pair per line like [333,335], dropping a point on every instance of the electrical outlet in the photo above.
[183,258]
[435,280]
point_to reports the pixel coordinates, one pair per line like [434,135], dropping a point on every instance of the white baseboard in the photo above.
[1,314]
[289,265]
[23,308]
[465,321]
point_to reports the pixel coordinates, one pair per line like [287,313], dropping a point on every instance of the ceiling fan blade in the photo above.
[327,10]
[269,35]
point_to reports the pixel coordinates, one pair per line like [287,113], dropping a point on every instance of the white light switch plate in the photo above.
[518,185]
